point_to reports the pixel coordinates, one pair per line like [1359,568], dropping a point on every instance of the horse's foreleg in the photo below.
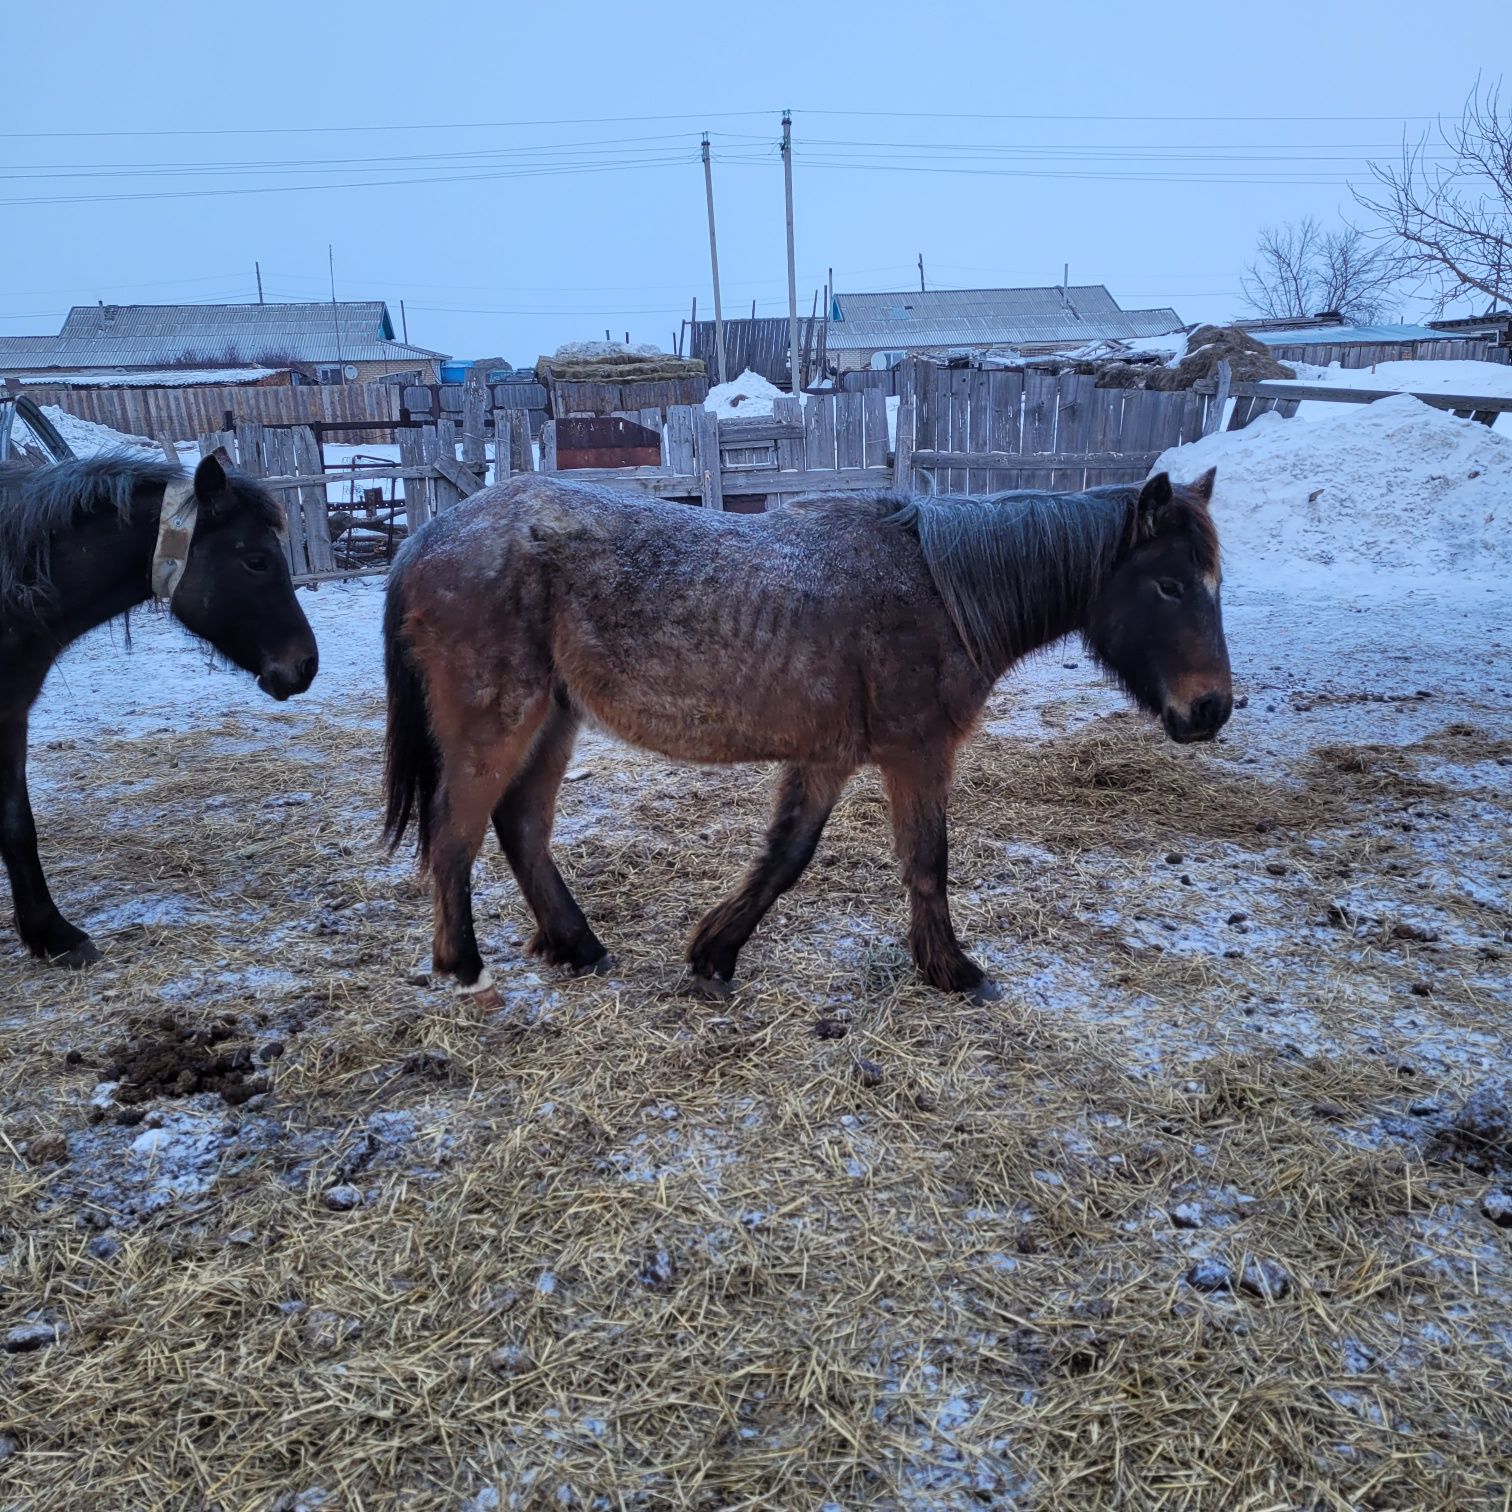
[805,797]
[44,931]
[916,794]
[522,820]
[473,775]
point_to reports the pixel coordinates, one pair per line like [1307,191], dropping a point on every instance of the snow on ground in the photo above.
[1395,485]
[1448,377]
[750,394]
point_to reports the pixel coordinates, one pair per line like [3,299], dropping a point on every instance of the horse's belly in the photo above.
[728,723]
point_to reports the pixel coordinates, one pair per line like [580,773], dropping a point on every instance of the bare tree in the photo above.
[1301,269]
[1448,202]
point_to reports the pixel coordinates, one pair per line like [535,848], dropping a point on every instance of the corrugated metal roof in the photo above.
[1327,335]
[986,317]
[127,336]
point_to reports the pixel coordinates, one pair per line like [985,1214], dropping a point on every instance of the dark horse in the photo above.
[838,631]
[84,541]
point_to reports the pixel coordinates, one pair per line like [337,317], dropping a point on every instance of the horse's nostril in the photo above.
[1207,712]
[306,670]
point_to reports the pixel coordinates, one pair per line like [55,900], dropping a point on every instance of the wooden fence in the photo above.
[758,346]
[181,412]
[958,430]
[970,430]
[1367,354]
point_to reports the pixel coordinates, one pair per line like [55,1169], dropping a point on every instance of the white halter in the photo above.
[175,531]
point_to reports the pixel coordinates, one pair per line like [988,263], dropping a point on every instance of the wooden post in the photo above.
[501,446]
[719,346]
[522,454]
[1220,400]
[249,448]
[903,448]
[787,184]
[707,459]
[548,447]
[474,419]
[308,462]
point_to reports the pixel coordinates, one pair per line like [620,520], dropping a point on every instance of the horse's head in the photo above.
[1157,624]
[236,591]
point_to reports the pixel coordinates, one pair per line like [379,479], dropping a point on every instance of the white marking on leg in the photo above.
[483,984]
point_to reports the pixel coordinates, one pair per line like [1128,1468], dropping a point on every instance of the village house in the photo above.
[178,345]
[877,330]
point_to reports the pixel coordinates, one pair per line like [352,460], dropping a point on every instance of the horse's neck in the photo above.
[1057,577]
[100,569]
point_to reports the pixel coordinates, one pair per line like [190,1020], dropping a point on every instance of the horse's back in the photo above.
[706,635]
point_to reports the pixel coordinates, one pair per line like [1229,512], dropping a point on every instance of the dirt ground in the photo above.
[1211,1210]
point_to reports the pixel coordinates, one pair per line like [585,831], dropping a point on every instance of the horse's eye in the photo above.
[1169,588]
[257,562]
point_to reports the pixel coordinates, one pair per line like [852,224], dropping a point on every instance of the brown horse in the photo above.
[839,631]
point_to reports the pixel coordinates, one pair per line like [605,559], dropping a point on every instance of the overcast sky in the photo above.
[523,175]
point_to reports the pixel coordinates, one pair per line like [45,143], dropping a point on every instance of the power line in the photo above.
[220,131]
[555,170]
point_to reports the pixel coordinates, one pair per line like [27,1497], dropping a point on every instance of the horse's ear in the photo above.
[210,477]
[1202,489]
[1153,497]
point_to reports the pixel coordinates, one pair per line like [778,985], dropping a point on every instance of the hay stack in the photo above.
[1250,360]
[610,362]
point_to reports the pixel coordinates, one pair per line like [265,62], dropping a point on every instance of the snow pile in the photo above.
[1394,487]
[1172,347]
[586,351]
[162,378]
[1449,377]
[85,437]
[749,394]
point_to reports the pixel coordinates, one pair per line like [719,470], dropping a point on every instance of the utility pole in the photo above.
[335,313]
[787,184]
[719,346]
[404,322]
[258,267]
[922,289]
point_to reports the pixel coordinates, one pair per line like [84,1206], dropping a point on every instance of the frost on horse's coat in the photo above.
[841,631]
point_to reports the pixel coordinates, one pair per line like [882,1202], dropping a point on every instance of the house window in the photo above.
[329,372]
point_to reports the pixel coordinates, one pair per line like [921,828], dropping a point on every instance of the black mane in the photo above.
[36,504]
[1018,569]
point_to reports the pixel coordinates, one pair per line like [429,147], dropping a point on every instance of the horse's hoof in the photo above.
[986,991]
[481,995]
[77,957]
[606,965]
[710,989]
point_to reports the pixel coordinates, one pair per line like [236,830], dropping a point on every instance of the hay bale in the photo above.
[619,367]
[1249,361]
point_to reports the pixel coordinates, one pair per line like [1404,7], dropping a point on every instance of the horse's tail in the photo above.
[412,764]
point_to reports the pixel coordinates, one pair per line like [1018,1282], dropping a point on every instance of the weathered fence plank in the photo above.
[307,460]
[873,428]
[707,459]
[903,467]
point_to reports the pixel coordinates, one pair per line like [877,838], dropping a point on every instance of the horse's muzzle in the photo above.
[1200,720]
[285,678]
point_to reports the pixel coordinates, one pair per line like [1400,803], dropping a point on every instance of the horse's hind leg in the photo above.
[474,772]
[916,792]
[522,819]
[805,796]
